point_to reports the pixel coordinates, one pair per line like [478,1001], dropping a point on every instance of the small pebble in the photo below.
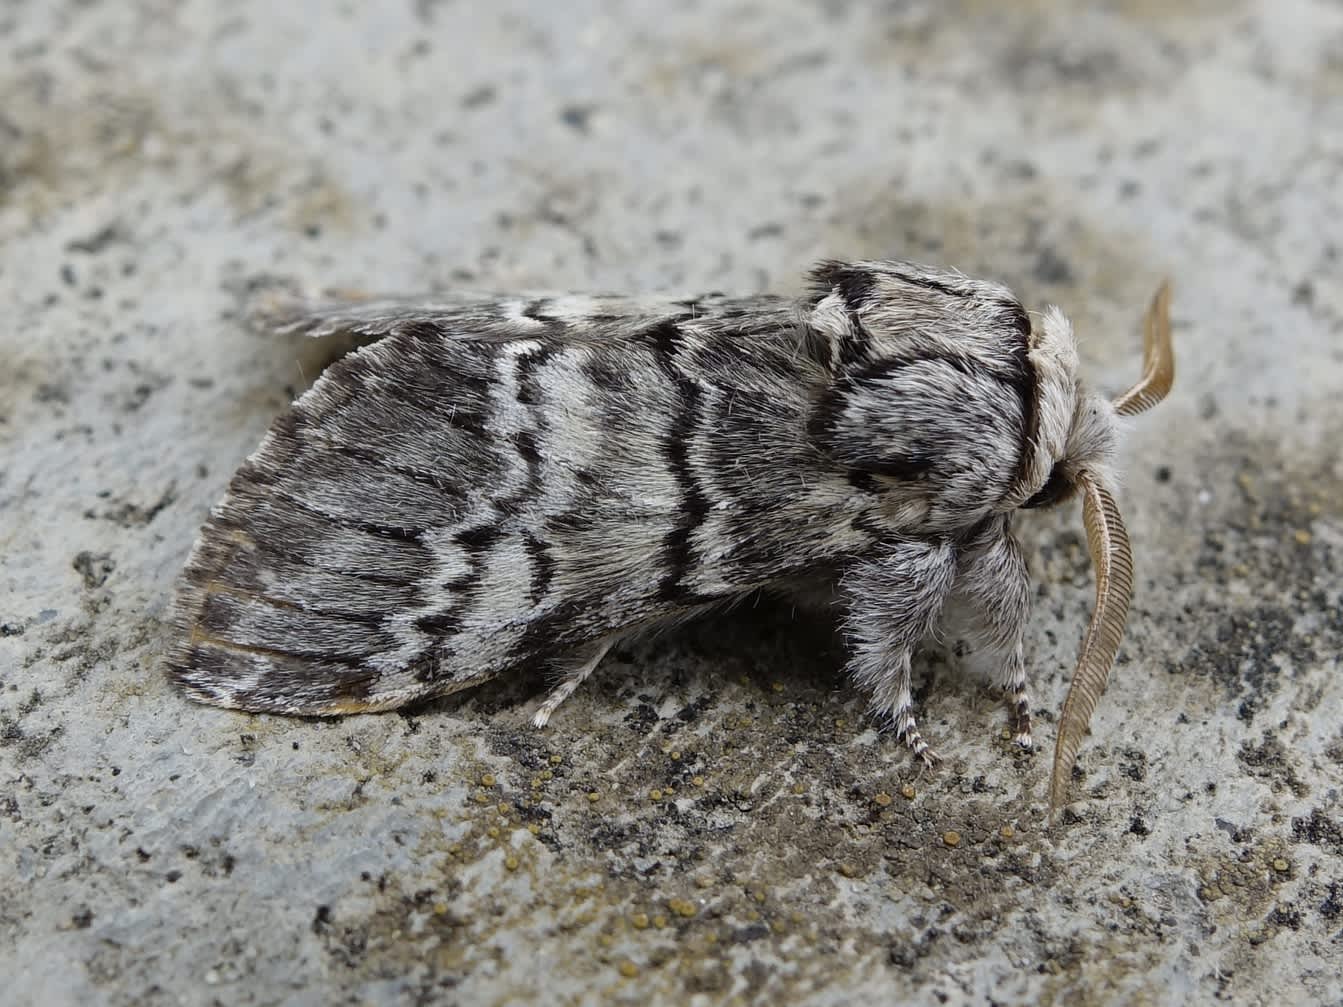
[951,839]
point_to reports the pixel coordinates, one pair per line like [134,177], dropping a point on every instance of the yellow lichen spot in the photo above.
[908,791]
[493,832]
[659,921]
[884,799]
[655,794]
[1281,866]
[440,909]
[752,916]
[455,848]
[1302,537]
[487,780]
[594,797]
[697,781]
[776,686]
[1007,832]
[675,756]
[482,798]
[534,828]
[503,807]
[682,907]
[511,862]
[536,783]
[848,870]
[606,940]
[951,839]
[758,895]
[628,969]
[555,760]
[799,788]
[639,921]
[796,918]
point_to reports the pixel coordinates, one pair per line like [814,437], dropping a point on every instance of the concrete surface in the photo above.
[712,819]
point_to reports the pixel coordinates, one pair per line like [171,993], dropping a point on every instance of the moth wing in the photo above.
[359,560]
[482,317]
[309,588]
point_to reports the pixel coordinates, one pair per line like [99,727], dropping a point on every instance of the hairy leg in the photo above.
[894,600]
[572,679]
[993,580]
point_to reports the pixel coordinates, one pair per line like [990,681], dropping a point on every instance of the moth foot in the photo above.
[542,716]
[907,732]
[562,692]
[1021,720]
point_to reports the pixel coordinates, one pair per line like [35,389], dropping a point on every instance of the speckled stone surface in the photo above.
[712,819]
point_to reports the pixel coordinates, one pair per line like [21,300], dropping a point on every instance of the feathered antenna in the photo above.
[1111,556]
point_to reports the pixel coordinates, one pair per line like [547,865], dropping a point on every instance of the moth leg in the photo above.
[571,681]
[894,601]
[994,580]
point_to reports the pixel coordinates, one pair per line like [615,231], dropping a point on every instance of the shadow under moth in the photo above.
[491,481]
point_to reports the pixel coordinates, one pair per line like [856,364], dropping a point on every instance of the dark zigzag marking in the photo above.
[480,540]
[678,556]
[542,569]
[477,542]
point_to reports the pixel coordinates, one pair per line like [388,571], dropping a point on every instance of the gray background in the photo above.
[161,162]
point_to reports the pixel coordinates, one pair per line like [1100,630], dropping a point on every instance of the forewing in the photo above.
[461,494]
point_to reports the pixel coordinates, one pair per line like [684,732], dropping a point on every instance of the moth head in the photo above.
[1076,435]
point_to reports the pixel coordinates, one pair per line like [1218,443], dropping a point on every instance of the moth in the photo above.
[490,481]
